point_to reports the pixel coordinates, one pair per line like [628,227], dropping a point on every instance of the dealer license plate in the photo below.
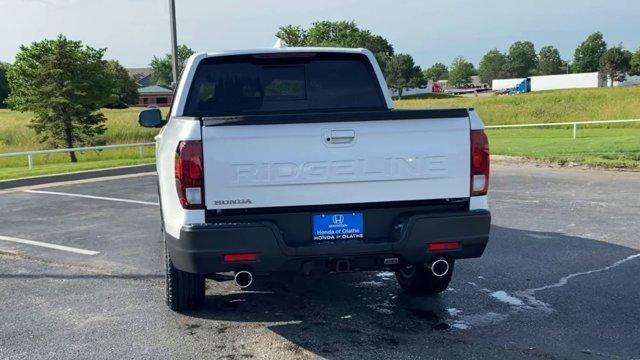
[338,226]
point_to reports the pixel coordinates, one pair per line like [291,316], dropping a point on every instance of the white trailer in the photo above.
[565,81]
[502,84]
[552,82]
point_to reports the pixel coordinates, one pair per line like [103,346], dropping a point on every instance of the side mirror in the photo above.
[151,118]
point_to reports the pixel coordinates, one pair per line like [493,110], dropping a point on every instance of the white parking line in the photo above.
[74,182]
[50,246]
[91,197]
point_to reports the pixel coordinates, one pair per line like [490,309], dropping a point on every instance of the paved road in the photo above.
[558,280]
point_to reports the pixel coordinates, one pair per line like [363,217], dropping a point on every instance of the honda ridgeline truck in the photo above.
[294,160]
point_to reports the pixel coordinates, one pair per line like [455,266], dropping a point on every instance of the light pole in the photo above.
[174,42]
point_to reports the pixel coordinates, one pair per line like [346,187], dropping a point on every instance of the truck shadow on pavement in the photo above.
[367,314]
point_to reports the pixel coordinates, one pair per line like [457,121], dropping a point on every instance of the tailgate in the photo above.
[347,162]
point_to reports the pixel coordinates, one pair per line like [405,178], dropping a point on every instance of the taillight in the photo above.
[479,163]
[189,174]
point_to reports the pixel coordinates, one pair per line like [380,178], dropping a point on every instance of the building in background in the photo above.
[157,95]
[150,93]
[142,76]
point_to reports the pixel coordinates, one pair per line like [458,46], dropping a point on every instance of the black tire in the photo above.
[418,279]
[185,291]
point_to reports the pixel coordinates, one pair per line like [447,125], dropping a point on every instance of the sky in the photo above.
[134,31]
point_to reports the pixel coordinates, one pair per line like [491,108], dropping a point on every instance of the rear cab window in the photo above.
[274,83]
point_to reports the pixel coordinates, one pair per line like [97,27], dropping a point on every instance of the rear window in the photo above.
[283,83]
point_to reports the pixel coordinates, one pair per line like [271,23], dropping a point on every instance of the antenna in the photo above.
[174,43]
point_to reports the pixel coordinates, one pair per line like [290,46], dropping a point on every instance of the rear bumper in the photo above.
[201,247]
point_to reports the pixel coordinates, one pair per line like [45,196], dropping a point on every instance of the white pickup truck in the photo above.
[294,160]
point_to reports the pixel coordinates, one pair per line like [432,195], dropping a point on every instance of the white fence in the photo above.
[29,154]
[573,123]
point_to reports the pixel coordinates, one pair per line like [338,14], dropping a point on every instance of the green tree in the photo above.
[521,59]
[549,61]
[4,84]
[64,84]
[634,63]
[401,73]
[460,72]
[491,66]
[614,64]
[125,89]
[586,57]
[338,34]
[346,34]
[162,68]
[293,35]
[437,71]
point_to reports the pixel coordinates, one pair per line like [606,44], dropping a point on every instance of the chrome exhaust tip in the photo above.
[439,267]
[243,279]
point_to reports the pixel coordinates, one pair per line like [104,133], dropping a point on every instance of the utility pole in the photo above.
[174,42]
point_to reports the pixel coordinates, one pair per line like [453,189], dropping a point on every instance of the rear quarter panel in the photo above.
[174,216]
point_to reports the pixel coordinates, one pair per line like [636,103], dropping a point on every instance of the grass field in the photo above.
[604,147]
[65,167]
[122,128]
[615,146]
[544,106]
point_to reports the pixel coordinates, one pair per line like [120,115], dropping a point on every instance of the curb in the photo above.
[80,175]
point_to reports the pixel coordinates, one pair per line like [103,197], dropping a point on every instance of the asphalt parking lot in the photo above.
[558,280]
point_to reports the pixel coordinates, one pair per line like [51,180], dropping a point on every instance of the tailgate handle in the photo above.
[342,136]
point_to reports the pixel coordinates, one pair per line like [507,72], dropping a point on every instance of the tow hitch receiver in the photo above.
[342,265]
